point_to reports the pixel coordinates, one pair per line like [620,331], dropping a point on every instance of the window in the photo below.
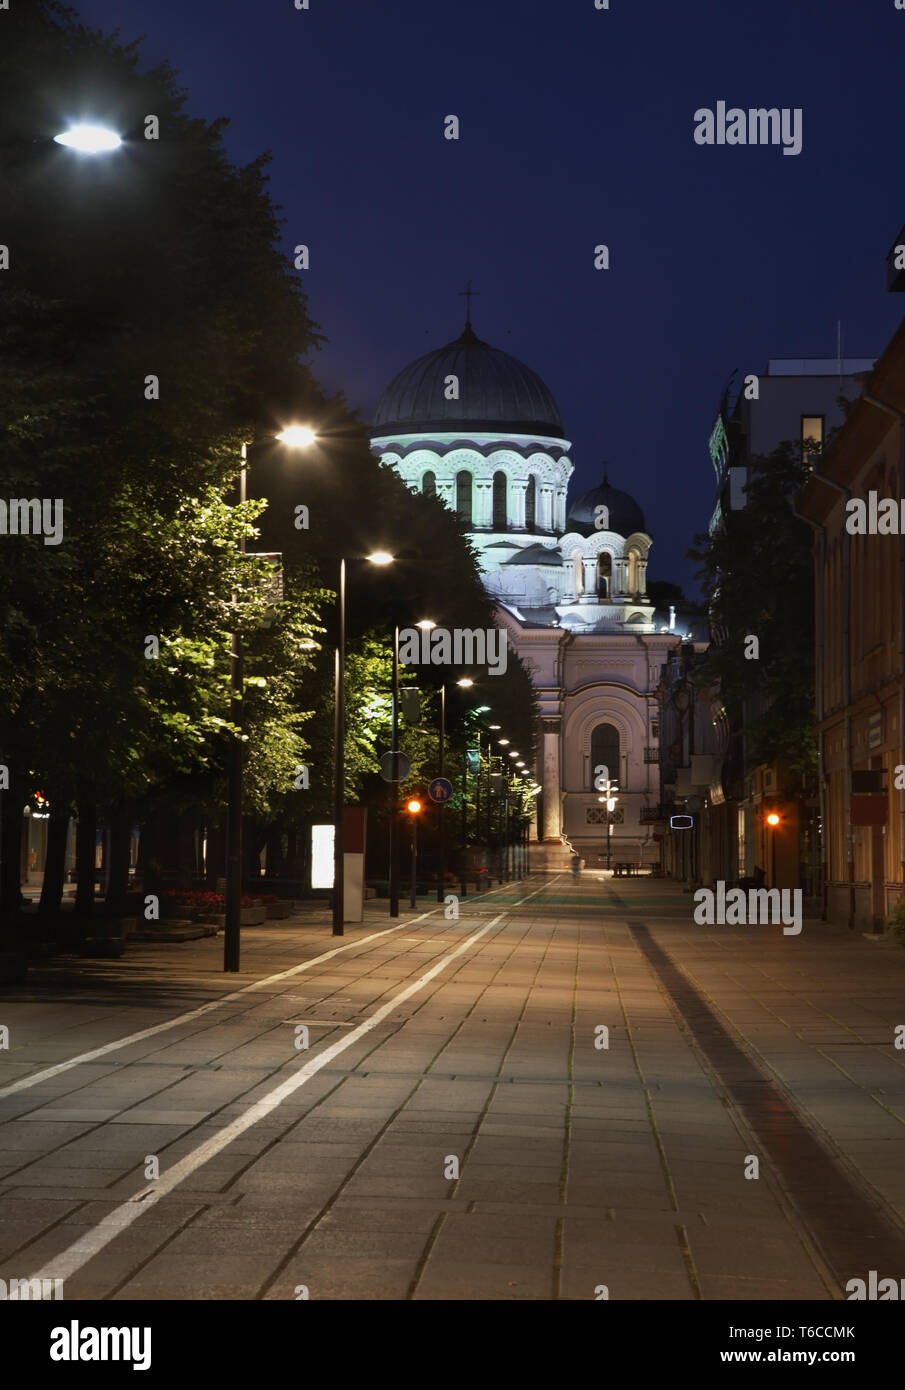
[604,574]
[531,504]
[605,750]
[499,501]
[429,484]
[463,495]
[811,435]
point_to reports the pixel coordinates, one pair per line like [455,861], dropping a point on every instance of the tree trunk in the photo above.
[120,837]
[52,888]
[12,800]
[85,844]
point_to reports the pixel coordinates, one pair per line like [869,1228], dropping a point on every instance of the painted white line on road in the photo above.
[92,1056]
[121,1218]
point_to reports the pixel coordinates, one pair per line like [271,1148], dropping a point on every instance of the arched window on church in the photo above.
[634,571]
[604,574]
[531,504]
[463,496]
[429,484]
[605,751]
[499,501]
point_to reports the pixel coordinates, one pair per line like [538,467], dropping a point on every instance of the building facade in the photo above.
[859,569]
[479,429]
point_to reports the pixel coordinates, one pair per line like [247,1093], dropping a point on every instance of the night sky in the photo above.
[576,129]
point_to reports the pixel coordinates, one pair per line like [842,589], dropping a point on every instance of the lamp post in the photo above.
[414,809]
[441,825]
[394,790]
[377,557]
[294,437]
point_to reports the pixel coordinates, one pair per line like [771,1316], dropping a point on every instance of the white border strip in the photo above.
[48,1072]
[120,1219]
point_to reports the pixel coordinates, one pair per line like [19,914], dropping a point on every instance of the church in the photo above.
[479,429]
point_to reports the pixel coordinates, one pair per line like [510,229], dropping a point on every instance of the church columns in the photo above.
[560,512]
[517,492]
[621,581]
[446,491]
[642,578]
[568,580]
[545,508]
[552,824]
[590,579]
[483,502]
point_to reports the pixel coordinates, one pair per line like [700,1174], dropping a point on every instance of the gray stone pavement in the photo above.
[474,1142]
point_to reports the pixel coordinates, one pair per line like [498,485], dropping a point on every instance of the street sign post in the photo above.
[395,767]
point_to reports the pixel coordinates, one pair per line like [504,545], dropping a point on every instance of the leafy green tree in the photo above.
[756,571]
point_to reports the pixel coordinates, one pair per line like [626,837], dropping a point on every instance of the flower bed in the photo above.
[195,905]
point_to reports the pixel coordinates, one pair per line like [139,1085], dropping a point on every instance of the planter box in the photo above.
[277,910]
[252,916]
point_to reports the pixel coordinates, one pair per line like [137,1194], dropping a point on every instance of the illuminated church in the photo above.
[480,430]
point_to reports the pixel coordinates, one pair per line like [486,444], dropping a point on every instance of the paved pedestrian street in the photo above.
[564,1094]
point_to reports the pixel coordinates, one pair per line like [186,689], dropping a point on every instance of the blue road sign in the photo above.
[440,789]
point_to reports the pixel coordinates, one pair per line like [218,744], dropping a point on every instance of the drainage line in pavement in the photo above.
[853,1232]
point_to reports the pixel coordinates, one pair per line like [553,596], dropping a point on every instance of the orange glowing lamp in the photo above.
[414,807]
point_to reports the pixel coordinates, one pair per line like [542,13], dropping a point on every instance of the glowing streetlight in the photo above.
[466,682]
[414,808]
[89,139]
[773,818]
[296,436]
[381,557]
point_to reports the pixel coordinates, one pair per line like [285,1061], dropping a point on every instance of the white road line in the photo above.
[120,1219]
[48,1072]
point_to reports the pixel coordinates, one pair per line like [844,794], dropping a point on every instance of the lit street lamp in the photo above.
[414,810]
[295,436]
[377,557]
[89,139]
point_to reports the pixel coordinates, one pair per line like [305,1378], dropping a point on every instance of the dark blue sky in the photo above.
[576,129]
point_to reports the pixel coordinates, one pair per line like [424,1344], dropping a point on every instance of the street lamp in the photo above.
[381,558]
[293,437]
[414,810]
[89,139]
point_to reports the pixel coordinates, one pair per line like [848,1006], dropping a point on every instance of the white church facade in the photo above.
[479,429]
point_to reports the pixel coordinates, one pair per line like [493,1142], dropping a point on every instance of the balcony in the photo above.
[652,755]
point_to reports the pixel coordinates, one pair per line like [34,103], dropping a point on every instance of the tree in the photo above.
[757,576]
[150,323]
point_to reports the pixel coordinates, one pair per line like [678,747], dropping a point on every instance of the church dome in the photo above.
[624,514]
[497,393]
